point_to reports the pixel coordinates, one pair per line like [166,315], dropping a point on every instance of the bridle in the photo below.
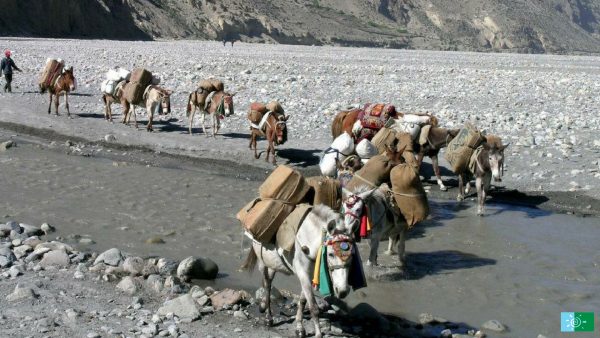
[349,203]
[343,247]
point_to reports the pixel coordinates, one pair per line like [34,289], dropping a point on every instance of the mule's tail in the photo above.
[189,106]
[250,261]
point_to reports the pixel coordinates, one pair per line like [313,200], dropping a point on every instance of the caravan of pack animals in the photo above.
[369,189]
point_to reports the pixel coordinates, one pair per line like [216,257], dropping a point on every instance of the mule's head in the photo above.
[495,157]
[228,103]
[281,129]
[69,78]
[452,134]
[340,248]
[353,207]
[165,102]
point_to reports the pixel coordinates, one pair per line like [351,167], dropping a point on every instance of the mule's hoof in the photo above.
[262,307]
[269,322]
[301,333]
[460,198]
[444,188]
[369,263]
[389,252]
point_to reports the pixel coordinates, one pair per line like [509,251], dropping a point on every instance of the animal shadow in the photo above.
[421,264]
[300,157]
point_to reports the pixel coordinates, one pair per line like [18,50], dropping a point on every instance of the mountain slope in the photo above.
[531,26]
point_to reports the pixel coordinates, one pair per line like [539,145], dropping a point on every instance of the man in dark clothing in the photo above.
[7,66]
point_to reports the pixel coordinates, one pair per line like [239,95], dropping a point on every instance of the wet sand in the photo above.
[521,266]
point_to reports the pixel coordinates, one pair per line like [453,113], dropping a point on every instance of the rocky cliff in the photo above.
[553,26]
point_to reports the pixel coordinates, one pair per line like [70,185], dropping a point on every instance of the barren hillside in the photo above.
[553,26]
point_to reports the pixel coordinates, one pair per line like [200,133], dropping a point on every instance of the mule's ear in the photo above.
[486,146]
[504,146]
[331,226]
[232,95]
[346,192]
[287,117]
[366,194]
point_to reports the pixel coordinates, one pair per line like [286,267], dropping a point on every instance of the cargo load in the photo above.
[118,74]
[133,92]
[327,191]
[50,73]
[402,126]
[409,194]
[373,174]
[259,107]
[286,234]
[262,218]
[340,149]
[217,84]
[284,184]
[374,117]
[110,87]
[141,76]
[384,137]
[461,148]
[255,116]
[365,149]
[275,107]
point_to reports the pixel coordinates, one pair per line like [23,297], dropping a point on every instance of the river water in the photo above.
[517,265]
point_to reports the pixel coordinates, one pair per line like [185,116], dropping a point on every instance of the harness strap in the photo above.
[365,180]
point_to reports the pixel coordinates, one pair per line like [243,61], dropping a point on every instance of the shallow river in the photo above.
[517,265]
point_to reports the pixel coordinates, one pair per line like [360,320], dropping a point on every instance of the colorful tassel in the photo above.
[317,272]
[324,280]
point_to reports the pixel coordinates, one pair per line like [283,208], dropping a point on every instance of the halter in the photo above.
[343,248]
[348,204]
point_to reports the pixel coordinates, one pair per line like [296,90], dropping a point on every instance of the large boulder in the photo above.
[197,268]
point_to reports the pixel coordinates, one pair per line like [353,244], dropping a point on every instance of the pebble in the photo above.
[493,325]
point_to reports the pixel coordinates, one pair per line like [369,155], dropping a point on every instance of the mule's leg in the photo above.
[305,283]
[134,116]
[57,103]
[150,112]
[192,118]
[50,104]
[300,331]
[461,188]
[392,244]
[272,145]
[401,247]
[268,275]
[67,104]
[202,120]
[480,195]
[374,246]
[436,170]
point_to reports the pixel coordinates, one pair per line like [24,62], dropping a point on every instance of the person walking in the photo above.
[7,66]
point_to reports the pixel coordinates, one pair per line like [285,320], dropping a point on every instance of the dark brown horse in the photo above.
[63,84]
[219,105]
[437,139]
[274,130]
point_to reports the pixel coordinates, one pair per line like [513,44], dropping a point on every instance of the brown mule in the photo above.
[274,130]
[109,100]
[64,84]
[343,122]
[220,105]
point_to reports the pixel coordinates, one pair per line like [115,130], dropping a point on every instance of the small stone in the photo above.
[154,283]
[15,271]
[183,307]
[21,293]
[86,241]
[78,275]
[227,297]
[129,285]
[275,294]
[155,240]
[93,335]
[22,250]
[425,318]
[47,228]
[110,138]
[110,257]
[151,330]
[237,330]
[166,266]
[240,315]
[493,325]
[197,268]
[133,265]
[447,333]
[6,145]
[55,258]
[246,71]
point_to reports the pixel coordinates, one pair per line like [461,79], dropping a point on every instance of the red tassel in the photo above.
[363,224]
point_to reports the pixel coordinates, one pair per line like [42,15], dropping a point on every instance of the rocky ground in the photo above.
[50,289]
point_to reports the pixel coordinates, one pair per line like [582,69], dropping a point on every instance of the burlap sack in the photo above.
[263,218]
[141,76]
[327,190]
[373,174]
[286,234]
[50,72]
[275,107]
[284,184]
[133,92]
[217,84]
[259,107]
[461,148]
[255,116]
[409,194]
[206,85]
[384,137]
